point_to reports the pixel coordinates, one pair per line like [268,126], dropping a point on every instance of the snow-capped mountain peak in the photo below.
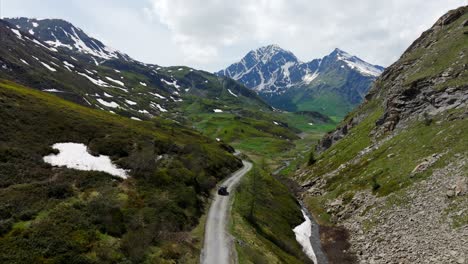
[58,33]
[274,72]
[356,63]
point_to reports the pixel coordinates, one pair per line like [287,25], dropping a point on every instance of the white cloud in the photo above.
[378,31]
[211,34]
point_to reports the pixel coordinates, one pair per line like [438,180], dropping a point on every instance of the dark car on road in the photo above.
[223,191]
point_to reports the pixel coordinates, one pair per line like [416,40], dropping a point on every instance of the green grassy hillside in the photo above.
[60,215]
[403,151]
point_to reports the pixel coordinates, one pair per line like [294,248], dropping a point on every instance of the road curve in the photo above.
[217,245]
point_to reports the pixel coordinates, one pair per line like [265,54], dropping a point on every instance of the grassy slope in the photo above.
[264,214]
[51,215]
[387,170]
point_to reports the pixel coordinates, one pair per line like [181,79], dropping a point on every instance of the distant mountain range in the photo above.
[54,56]
[333,84]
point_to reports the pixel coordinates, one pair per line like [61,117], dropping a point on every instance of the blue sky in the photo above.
[211,34]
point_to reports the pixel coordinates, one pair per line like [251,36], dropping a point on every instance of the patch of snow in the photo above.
[68,65]
[81,46]
[143,112]
[218,139]
[308,78]
[233,94]
[31,32]
[285,68]
[180,69]
[76,156]
[57,43]
[115,81]
[311,124]
[17,33]
[94,81]
[105,103]
[117,71]
[173,83]
[23,61]
[276,123]
[144,84]
[52,91]
[48,67]
[158,95]
[108,95]
[303,233]
[217,110]
[158,106]
[34,24]
[130,102]
[135,118]
[89,72]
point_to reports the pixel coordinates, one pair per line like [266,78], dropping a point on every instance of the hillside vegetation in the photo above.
[395,170]
[60,215]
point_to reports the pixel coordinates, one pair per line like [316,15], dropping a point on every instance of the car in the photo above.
[223,191]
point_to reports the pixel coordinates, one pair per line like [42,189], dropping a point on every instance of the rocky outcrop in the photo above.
[404,96]
[419,230]
[397,181]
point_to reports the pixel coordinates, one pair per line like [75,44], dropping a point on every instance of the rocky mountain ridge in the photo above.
[394,173]
[288,83]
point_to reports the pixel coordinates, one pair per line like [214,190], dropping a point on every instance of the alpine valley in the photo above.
[106,159]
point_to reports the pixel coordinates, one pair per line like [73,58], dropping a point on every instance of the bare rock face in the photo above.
[420,230]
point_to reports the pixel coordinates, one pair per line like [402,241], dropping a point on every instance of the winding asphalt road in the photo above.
[218,244]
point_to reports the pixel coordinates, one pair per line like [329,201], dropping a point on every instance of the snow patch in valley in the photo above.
[34,24]
[144,84]
[31,32]
[23,61]
[303,233]
[76,156]
[217,110]
[135,118]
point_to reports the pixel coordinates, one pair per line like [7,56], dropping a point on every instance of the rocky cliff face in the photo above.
[395,172]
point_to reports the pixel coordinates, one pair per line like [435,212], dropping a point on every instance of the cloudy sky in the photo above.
[211,34]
